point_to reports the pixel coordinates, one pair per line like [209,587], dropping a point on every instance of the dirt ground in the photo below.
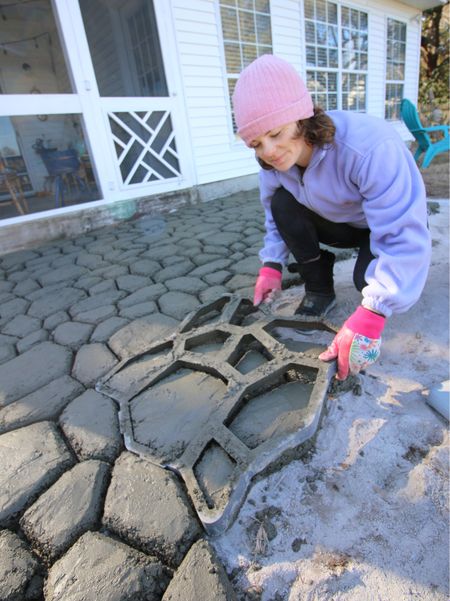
[437,177]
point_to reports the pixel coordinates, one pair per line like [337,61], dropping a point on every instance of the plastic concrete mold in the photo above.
[230,393]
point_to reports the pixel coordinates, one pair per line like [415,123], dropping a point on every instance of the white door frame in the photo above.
[93,109]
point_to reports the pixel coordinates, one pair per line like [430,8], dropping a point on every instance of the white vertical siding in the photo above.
[217,153]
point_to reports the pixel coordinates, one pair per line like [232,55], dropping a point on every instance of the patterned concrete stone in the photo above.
[210,268]
[131,283]
[7,352]
[177,304]
[97,315]
[98,568]
[17,568]
[31,340]
[91,425]
[55,319]
[217,278]
[146,294]
[248,266]
[91,362]
[202,258]
[237,282]
[6,286]
[21,326]
[69,508]
[103,286]
[55,300]
[94,302]
[145,267]
[135,336]
[201,577]
[186,284]
[43,404]
[17,258]
[113,271]
[180,268]
[91,260]
[43,363]
[156,517]
[72,334]
[212,293]
[11,308]
[107,328]
[32,458]
[139,310]
[68,272]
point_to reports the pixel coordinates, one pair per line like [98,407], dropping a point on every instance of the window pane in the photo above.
[332,13]
[264,50]
[249,53]
[233,58]
[31,55]
[229,23]
[363,21]
[394,95]
[44,164]
[345,17]
[321,34]
[311,56]
[262,6]
[332,36]
[321,10]
[321,57]
[119,37]
[264,33]
[247,4]
[247,26]
[309,9]
[310,33]
[333,58]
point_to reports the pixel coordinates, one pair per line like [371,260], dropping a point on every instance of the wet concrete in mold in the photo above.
[223,398]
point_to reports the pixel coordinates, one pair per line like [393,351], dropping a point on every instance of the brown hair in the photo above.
[318,130]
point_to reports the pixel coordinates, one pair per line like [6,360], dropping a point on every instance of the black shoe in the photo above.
[316,304]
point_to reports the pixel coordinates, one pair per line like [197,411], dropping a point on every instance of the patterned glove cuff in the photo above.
[366,322]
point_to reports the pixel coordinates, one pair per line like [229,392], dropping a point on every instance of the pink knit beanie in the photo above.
[269,93]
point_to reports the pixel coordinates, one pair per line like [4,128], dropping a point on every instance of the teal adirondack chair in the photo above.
[430,147]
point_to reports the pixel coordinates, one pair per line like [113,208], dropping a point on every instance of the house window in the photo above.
[336,55]
[395,67]
[247,34]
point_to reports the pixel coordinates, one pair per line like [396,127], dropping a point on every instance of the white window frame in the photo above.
[339,71]
[395,115]
[232,76]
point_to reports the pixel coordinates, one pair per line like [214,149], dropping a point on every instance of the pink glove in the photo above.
[357,344]
[268,279]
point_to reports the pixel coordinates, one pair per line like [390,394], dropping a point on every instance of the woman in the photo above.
[343,179]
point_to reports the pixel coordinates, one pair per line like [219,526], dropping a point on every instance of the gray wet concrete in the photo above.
[76,506]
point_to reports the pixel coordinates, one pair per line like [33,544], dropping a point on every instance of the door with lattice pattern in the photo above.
[140,114]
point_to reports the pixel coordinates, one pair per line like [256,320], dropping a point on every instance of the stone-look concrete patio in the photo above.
[76,507]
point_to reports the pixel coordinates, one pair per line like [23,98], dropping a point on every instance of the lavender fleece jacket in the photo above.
[366,178]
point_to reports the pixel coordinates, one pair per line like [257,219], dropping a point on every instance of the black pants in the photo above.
[302,230]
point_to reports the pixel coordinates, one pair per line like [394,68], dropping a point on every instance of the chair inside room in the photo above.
[65,171]
[431,145]
[11,180]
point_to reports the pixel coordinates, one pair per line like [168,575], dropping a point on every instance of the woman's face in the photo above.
[281,149]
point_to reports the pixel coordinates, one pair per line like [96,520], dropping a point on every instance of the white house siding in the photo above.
[217,153]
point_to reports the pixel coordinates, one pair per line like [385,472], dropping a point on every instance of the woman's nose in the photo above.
[268,148]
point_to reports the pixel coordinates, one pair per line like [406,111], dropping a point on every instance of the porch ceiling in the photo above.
[423,4]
